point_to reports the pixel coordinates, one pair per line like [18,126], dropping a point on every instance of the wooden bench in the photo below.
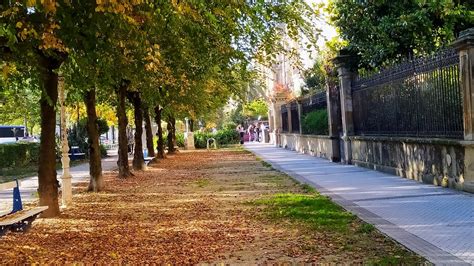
[17,220]
[148,159]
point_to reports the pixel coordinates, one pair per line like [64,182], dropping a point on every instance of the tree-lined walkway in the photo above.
[436,223]
[221,206]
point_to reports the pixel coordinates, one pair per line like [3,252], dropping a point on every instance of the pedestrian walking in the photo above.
[262,132]
[250,131]
[257,133]
[241,131]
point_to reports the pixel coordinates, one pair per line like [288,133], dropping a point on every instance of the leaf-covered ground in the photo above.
[202,207]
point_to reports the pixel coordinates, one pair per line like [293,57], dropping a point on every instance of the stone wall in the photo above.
[432,161]
[315,145]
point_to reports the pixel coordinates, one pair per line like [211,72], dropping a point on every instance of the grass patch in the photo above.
[307,188]
[267,164]
[202,182]
[234,147]
[314,210]
[366,228]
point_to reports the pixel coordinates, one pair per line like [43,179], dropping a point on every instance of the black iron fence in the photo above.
[295,117]
[421,98]
[284,119]
[314,102]
[314,114]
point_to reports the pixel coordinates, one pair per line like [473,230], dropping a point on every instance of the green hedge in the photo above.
[315,122]
[18,154]
[103,151]
[179,139]
[223,137]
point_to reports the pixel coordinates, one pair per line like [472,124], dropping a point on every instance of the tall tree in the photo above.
[29,37]
[124,168]
[386,31]
[171,126]
[138,162]
[160,153]
[148,131]
[95,165]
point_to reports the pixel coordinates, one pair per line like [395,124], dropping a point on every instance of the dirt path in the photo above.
[194,207]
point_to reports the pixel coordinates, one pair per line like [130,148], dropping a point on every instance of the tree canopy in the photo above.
[178,58]
[381,32]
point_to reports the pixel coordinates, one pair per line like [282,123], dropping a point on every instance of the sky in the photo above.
[328,32]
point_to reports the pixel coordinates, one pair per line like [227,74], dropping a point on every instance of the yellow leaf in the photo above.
[19,24]
[5,71]
[30,3]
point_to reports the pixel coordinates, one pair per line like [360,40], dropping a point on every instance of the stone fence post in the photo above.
[276,124]
[334,119]
[300,114]
[343,63]
[465,46]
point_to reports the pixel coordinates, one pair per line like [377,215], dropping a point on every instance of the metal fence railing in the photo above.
[315,124]
[284,119]
[420,98]
[314,102]
[295,118]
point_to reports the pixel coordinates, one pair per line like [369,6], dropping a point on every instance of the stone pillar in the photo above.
[334,119]
[465,46]
[66,187]
[188,137]
[300,114]
[276,104]
[271,123]
[288,112]
[275,126]
[343,63]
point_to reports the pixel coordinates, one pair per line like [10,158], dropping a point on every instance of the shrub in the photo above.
[227,136]
[103,151]
[18,154]
[229,126]
[200,139]
[316,122]
[77,136]
[179,139]
[222,137]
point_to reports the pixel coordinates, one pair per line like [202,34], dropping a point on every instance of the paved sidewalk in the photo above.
[29,185]
[434,222]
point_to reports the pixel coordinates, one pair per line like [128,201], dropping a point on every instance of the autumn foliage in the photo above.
[197,207]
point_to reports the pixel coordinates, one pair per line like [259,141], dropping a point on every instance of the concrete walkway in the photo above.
[434,222]
[29,185]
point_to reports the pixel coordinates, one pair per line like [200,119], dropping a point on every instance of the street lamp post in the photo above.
[66,175]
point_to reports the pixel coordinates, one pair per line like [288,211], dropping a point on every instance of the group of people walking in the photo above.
[254,131]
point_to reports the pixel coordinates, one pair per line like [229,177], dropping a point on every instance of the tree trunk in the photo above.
[149,133]
[171,134]
[32,126]
[47,182]
[124,169]
[25,134]
[138,162]
[96,182]
[161,145]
